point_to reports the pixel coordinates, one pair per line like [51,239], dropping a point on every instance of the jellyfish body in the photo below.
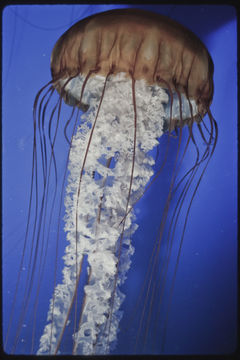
[136,75]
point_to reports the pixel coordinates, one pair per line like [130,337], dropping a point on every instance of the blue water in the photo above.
[202,317]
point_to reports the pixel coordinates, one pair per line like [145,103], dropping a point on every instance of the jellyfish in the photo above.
[129,76]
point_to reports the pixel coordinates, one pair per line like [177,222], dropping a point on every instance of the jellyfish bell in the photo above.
[140,44]
[134,75]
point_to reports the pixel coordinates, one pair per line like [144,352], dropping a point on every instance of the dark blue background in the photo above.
[203,313]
